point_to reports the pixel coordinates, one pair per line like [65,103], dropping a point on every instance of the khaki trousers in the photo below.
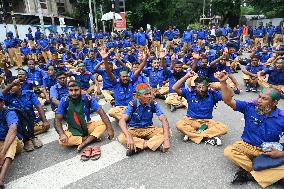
[248,80]
[15,148]
[116,112]
[108,95]
[12,55]
[175,99]
[189,127]
[217,85]
[95,128]
[242,153]
[258,40]
[152,137]
[46,55]
[157,46]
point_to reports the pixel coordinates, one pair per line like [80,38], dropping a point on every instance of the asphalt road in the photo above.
[186,165]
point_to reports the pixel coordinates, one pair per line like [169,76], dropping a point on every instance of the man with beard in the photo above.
[198,124]
[138,132]
[173,75]
[59,90]
[75,110]
[275,75]
[123,87]
[25,84]
[264,122]
[26,101]
[84,78]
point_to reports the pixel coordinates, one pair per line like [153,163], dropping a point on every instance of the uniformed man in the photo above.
[26,100]
[138,131]
[275,75]
[75,109]
[10,144]
[123,87]
[59,90]
[264,122]
[198,124]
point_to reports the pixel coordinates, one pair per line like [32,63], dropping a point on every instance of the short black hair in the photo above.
[60,73]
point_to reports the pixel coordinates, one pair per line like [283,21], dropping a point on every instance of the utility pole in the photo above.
[203,10]
[96,19]
[104,28]
[91,17]
[40,16]
[13,18]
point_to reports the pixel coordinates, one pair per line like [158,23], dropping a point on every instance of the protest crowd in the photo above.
[135,71]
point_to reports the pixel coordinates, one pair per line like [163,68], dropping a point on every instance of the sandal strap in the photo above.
[87,152]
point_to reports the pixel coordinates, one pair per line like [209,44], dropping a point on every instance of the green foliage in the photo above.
[161,13]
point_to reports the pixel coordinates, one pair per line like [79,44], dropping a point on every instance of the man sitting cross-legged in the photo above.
[137,127]
[264,122]
[198,124]
[75,110]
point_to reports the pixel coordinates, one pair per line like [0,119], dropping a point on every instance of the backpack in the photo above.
[26,124]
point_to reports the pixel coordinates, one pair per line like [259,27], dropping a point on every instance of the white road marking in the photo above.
[69,171]
[102,102]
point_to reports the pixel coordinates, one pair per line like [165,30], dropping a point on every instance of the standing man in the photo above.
[264,122]
[140,134]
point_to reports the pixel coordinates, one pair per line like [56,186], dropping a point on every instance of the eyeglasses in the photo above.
[61,78]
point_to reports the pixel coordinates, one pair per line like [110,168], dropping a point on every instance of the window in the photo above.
[43,4]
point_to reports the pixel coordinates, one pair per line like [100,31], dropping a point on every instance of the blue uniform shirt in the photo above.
[141,38]
[58,91]
[187,37]
[48,81]
[27,100]
[84,79]
[25,50]
[156,77]
[107,84]
[260,128]
[27,85]
[260,32]
[276,77]
[123,93]
[62,107]
[90,64]
[173,78]
[43,44]
[10,119]
[169,34]
[156,35]
[142,116]
[254,69]
[201,108]
[36,76]
[218,68]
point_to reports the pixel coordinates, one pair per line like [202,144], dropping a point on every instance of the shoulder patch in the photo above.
[281,113]
[253,101]
[131,103]
[88,73]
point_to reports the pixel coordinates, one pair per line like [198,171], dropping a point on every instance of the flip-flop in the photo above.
[96,153]
[86,154]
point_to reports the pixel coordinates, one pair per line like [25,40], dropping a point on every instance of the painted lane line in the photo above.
[69,171]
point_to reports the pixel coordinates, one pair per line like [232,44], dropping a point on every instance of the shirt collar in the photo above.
[139,103]
[275,113]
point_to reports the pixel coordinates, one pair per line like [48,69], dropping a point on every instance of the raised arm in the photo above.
[142,65]
[104,55]
[177,86]
[227,93]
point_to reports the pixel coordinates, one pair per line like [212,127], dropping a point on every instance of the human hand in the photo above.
[63,138]
[221,76]
[274,153]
